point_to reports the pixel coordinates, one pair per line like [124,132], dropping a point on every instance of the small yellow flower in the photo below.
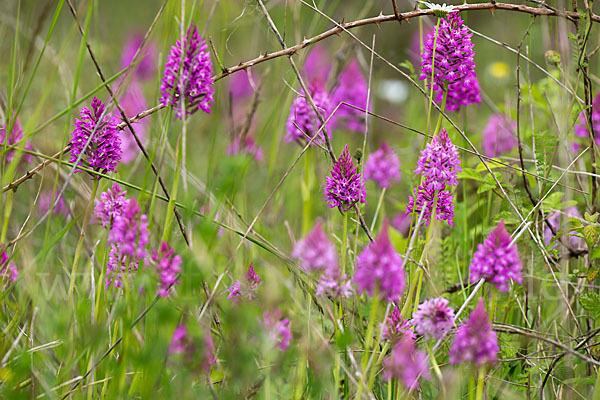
[498,69]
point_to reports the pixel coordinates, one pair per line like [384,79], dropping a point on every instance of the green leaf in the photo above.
[490,163]
[553,201]
[590,302]
[545,145]
[470,173]
[591,218]
[591,234]
[408,65]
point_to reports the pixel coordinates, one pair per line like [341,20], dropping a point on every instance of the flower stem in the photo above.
[306,197]
[479,393]
[368,342]
[432,74]
[86,218]
[377,209]
[439,121]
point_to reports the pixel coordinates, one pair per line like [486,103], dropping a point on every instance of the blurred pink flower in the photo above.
[146,67]
[133,102]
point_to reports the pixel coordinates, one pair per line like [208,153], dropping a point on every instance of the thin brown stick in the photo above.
[405,16]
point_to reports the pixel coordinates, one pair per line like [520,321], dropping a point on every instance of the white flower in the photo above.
[439,10]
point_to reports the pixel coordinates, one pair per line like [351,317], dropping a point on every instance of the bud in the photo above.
[552,57]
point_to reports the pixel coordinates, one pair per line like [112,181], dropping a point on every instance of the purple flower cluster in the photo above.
[433,318]
[497,260]
[146,67]
[379,269]
[110,206]
[438,165]
[248,290]
[303,123]
[461,93]
[345,187]
[475,341]
[182,343]
[317,65]
[499,136]
[333,285]
[439,162]
[401,222]
[406,363]
[453,52]
[581,129]
[425,198]
[554,219]
[12,139]
[187,82]
[130,231]
[279,329]
[248,147]
[454,67]
[383,166]
[315,251]
[352,89]
[103,152]
[396,328]
[129,238]
[169,267]
[7,268]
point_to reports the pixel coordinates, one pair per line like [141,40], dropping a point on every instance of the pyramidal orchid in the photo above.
[406,363]
[497,260]
[303,123]
[425,198]
[278,329]
[132,102]
[345,187]
[315,251]
[333,284]
[555,220]
[130,231]
[581,128]
[379,269]
[187,82]
[396,328]
[110,206]
[499,136]
[352,89]
[438,165]
[317,65]
[439,162]
[94,125]
[169,267]
[248,288]
[13,139]
[146,67]
[8,270]
[454,66]
[383,166]
[475,341]
[433,318]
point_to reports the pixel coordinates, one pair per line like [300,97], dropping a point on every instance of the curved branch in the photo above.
[401,17]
